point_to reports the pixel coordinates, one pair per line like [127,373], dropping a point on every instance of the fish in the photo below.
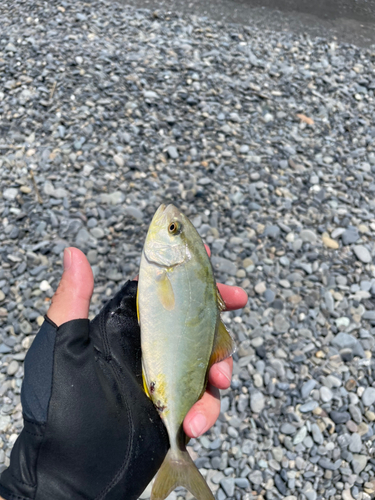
[182,336]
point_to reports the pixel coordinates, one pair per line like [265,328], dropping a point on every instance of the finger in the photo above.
[220,374]
[203,414]
[208,250]
[234,297]
[72,297]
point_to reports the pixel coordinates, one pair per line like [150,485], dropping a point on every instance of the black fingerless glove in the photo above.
[90,432]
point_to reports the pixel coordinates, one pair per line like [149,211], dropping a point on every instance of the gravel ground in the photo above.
[267,142]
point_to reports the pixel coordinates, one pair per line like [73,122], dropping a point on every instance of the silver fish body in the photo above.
[181,336]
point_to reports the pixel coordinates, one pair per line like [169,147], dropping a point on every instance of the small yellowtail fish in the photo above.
[182,336]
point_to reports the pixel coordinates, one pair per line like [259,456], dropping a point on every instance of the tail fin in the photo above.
[178,469]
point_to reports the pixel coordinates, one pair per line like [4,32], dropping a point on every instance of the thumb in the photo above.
[73,295]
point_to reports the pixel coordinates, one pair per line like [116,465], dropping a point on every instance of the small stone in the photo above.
[310,494]
[352,426]
[12,367]
[97,232]
[242,482]
[350,236]
[343,321]
[150,94]
[277,454]
[119,160]
[258,380]
[368,397]
[329,242]
[134,212]
[260,288]
[307,388]
[269,295]
[325,463]
[287,429]
[362,254]
[228,485]
[358,463]
[308,236]
[257,402]
[44,286]
[280,485]
[116,198]
[346,355]
[300,436]
[355,443]
[4,422]
[281,325]
[362,429]
[172,152]
[10,194]
[309,406]
[256,477]
[346,495]
[339,417]
[351,384]
[356,413]
[325,394]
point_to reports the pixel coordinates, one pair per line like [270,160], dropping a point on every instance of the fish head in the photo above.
[167,241]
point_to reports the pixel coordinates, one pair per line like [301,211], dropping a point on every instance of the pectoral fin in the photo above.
[224,345]
[165,292]
[220,301]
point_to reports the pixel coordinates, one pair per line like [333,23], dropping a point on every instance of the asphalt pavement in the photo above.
[348,21]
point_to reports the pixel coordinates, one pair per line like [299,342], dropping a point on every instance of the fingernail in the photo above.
[226,371]
[67,261]
[198,425]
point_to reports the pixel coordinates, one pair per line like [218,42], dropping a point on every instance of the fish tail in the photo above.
[178,469]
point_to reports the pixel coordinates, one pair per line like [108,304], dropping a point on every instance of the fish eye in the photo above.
[174,227]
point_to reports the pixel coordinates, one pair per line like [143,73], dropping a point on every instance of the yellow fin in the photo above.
[165,292]
[145,388]
[224,345]
[178,469]
[220,301]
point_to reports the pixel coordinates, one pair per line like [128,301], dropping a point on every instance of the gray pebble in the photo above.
[362,254]
[257,402]
[368,396]
[355,445]
[307,388]
[325,394]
